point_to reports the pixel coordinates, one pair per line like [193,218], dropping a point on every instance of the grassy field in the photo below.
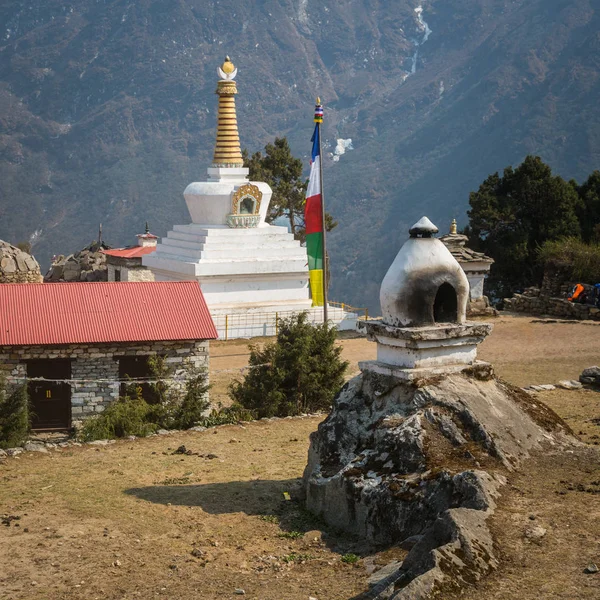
[134,519]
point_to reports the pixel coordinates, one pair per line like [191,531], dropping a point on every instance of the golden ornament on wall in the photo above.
[246,191]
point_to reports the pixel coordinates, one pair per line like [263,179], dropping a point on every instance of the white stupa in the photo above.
[249,270]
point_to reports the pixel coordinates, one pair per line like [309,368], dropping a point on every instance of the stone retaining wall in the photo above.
[533,301]
[90,363]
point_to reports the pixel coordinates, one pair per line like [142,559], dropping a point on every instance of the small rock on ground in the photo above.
[535,533]
[591,569]
[569,385]
[35,447]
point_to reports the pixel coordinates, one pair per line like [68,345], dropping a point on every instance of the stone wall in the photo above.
[88,264]
[95,368]
[533,301]
[17,266]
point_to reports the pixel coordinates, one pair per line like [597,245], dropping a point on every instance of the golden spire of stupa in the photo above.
[227,149]
[453,227]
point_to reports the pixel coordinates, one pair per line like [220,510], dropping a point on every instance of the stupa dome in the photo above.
[17,266]
[425,284]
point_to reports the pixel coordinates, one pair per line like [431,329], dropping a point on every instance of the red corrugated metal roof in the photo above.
[133,252]
[72,313]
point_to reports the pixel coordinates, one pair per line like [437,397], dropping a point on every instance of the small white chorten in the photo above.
[245,266]
[424,295]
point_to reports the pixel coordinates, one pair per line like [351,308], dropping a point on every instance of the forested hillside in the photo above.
[107,109]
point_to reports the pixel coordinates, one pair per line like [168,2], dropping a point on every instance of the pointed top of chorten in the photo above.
[423,228]
[453,230]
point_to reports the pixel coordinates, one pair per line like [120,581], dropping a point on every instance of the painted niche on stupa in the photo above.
[245,207]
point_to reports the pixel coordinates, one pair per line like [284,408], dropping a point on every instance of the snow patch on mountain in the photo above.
[342,146]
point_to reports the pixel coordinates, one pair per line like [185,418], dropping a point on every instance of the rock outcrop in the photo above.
[17,266]
[88,264]
[396,460]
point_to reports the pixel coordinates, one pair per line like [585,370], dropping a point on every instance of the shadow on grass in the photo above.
[260,497]
[264,498]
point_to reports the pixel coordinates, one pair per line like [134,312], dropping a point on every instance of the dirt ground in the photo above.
[133,520]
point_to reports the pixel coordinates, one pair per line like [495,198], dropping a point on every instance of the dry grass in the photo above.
[121,521]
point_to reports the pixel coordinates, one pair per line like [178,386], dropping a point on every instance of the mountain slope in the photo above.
[107,109]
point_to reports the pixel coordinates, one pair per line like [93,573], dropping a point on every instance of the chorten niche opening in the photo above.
[424,295]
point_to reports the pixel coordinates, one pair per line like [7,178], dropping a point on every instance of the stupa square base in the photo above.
[478,367]
[430,346]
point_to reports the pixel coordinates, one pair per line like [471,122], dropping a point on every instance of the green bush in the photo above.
[301,372]
[132,415]
[14,414]
[126,416]
[580,259]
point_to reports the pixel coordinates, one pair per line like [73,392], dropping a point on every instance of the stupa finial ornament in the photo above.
[228,152]
[453,229]
[227,70]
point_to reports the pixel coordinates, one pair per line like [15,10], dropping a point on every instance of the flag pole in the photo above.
[325,265]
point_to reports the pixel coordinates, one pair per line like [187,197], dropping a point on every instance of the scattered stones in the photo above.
[14,451]
[591,569]
[3,453]
[240,592]
[8,519]
[163,432]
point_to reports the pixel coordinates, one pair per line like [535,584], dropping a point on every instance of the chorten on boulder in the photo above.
[416,447]
[248,269]
[423,299]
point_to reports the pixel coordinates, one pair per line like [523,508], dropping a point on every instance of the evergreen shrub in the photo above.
[581,259]
[301,372]
[133,415]
[14,414]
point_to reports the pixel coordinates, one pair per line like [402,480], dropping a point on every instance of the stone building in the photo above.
[78,343]
[125,264]
[17,266]
[476,266]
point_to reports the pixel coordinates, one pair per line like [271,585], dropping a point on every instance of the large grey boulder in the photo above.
[396,459]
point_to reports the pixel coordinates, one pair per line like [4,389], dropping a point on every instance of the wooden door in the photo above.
[50,400]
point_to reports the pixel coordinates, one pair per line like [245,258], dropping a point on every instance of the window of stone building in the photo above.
[134,371]
[117,274]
